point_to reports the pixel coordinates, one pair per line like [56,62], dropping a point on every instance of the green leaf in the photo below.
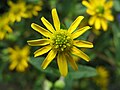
[116,40]
[83,72]
[36,62]
[117,5]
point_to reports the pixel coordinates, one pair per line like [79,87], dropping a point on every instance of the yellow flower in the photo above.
[32,9]
[100,12]
[19,58]
[60,43]
[4,26]
[17,11]
[102,78]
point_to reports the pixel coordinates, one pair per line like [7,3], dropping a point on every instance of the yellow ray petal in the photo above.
[20,68]
[8,28]
[47,24]
[87,4]
[56,20]
[72,62]
[102,2]
[97,23]
[41,30]
[62,64]
[51,55]
[39,42]
[109,17]
[24,63]
[2,35]
[108,4]
[81,43]
[42,50]
[92,20]
[80,54]
[104,24]
[75,24]
[80,32]
[90,12]
[13,65]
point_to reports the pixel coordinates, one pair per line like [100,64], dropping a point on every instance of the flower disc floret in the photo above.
[100,10]
[61,40]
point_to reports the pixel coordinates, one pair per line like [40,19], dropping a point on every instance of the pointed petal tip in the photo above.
[32,24]
[88,60]
[80,17]
[54,9]
[43,67]
[35,56]
[84,2]
[42,18]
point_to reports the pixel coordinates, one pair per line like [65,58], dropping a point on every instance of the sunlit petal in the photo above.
[92,20]
[41,30]
[75,24]
[90,12]
[109,4]
[81,43]
[97,23]
[62,64]
[47,24]
[109,16]
[42,50]
[104,24]
[39,42]
[13,65]
[51,55]
[72,62]
[80,54]
[56,20]
[87,4]
[80,32]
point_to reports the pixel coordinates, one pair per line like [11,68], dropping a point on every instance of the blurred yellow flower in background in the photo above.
[60,43]
[32,9]
[17,10]
[4,26]
[19,58]
[102,79]
[21,9]
[100,12]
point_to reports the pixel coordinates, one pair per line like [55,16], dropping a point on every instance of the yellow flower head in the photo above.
[60,43]
[4,26]
[100,12]
[102,78]
[32,10]
[19,58]
[17,11]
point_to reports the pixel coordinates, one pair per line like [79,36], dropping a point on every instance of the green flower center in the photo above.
[100,9]
[61,40]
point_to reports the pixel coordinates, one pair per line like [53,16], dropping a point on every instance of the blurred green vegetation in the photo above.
[106,51]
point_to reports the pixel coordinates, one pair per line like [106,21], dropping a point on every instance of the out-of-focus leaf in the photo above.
[117,5]
[83,72]
[36,62]
[116,40]
[53,3]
